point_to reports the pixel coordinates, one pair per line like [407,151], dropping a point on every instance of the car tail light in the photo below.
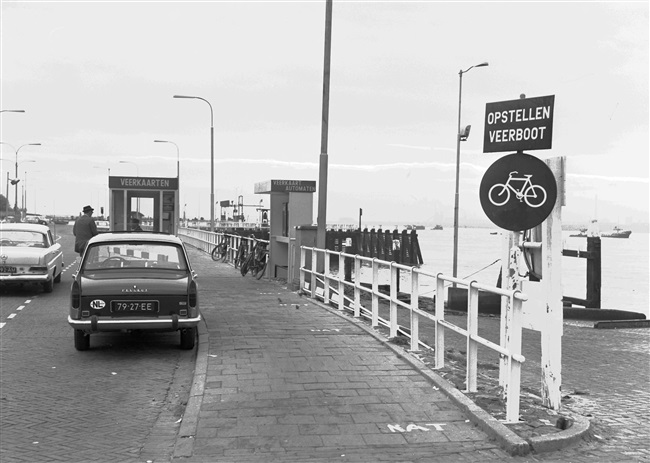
[75,295]
[192,293]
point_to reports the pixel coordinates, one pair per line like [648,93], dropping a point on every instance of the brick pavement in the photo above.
[286,380]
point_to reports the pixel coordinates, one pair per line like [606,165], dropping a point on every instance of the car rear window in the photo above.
[135,255]
[23,238]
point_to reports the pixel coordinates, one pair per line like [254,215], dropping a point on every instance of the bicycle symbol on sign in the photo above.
[534,195]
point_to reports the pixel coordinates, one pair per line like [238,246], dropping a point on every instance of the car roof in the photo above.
[24,226]
[134,237]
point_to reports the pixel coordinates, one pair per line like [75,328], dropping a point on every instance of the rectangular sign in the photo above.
[517,125]
[143,183]
[286,186]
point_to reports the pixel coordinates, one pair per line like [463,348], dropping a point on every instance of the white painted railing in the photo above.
[330,286]
[206,240]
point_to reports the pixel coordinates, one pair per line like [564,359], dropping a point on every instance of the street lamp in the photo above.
[16,183]
[460,136]
[178,156]
[137,170]
[108,191]
[211,156]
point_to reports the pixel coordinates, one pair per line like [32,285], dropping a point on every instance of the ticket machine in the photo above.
[151,200]
[292,205]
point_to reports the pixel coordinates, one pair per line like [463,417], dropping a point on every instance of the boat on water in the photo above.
[581,234]
[617,233]
[437,227]
[415,227]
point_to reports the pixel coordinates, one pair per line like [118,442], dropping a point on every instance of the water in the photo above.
[625,280]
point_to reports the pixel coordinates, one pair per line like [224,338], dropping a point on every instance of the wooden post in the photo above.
[551,333]
[593,272]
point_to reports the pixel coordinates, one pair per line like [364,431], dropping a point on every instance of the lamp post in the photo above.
[24,202]
[16,184]
[321,220]
[108,191]
[459,137]
[211,156]
[178,156]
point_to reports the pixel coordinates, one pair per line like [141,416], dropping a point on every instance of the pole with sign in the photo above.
[519,192]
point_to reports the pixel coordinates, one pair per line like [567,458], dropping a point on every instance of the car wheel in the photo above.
[188,335]
[48,286]
[81,340]
[57,279]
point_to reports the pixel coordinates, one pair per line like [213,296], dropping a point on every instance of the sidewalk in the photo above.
[281,378]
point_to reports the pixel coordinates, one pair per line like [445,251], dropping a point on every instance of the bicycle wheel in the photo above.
[501,197]
[261,269]
[535,196]
[246,265]
[217,252]
[241,256]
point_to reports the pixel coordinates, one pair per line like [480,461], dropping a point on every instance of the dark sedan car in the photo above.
[134,281]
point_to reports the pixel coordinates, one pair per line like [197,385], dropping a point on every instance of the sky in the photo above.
[96,81]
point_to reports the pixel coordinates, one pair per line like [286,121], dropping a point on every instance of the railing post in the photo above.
[357,286]
[375,291]
[415,318]
[303,260]
[440,316]
[393,300]
[326,279]
[341,279]
[514,371]
[314,258]
[472,331]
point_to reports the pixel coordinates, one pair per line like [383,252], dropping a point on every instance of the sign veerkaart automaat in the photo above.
[517,125]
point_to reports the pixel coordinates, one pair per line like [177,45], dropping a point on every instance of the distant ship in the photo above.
[415,227]
[617,233]
[437,227]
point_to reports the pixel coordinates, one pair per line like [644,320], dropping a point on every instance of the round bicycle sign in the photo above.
[518,192]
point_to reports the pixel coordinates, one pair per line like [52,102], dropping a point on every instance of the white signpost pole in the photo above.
[551,329]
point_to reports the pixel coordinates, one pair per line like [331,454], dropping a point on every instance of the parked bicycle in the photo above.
[256,261]
[220,251]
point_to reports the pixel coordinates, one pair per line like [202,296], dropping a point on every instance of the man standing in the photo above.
[84,229]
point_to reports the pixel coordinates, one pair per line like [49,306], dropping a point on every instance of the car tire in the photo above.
[57,279]
[48,286]
[81,340]
[188,337]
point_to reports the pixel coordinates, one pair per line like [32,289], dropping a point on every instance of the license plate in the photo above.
[133,307]
[5,269]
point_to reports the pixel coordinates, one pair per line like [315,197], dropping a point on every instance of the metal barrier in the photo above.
[330,286]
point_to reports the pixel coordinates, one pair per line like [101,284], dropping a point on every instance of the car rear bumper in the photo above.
[24,278]
[96,324]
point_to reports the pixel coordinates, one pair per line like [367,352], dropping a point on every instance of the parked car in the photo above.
[102,225]
[36,219]
[134,281]
[29,254]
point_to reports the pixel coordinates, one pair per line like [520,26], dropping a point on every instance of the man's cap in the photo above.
[88,209]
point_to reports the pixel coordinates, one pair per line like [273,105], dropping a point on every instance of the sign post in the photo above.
[518,193]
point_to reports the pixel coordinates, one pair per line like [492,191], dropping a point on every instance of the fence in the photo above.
[207,240]
[331,288]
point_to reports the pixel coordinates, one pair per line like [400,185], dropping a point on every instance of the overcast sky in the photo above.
[96,80]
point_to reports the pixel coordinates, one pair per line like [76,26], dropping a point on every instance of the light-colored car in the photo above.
[29,254]
[134,281]
[36,219]
[102,225]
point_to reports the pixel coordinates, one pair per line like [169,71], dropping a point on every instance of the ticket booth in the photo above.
[151,200]
[291,205]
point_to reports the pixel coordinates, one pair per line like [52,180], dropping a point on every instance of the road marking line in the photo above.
[2,324]
[20,307]
[11,316]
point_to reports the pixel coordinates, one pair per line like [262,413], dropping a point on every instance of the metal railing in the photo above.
[206,240]
[329,286]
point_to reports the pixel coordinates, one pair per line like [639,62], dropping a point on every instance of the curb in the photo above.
[184,445]
[507,439]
